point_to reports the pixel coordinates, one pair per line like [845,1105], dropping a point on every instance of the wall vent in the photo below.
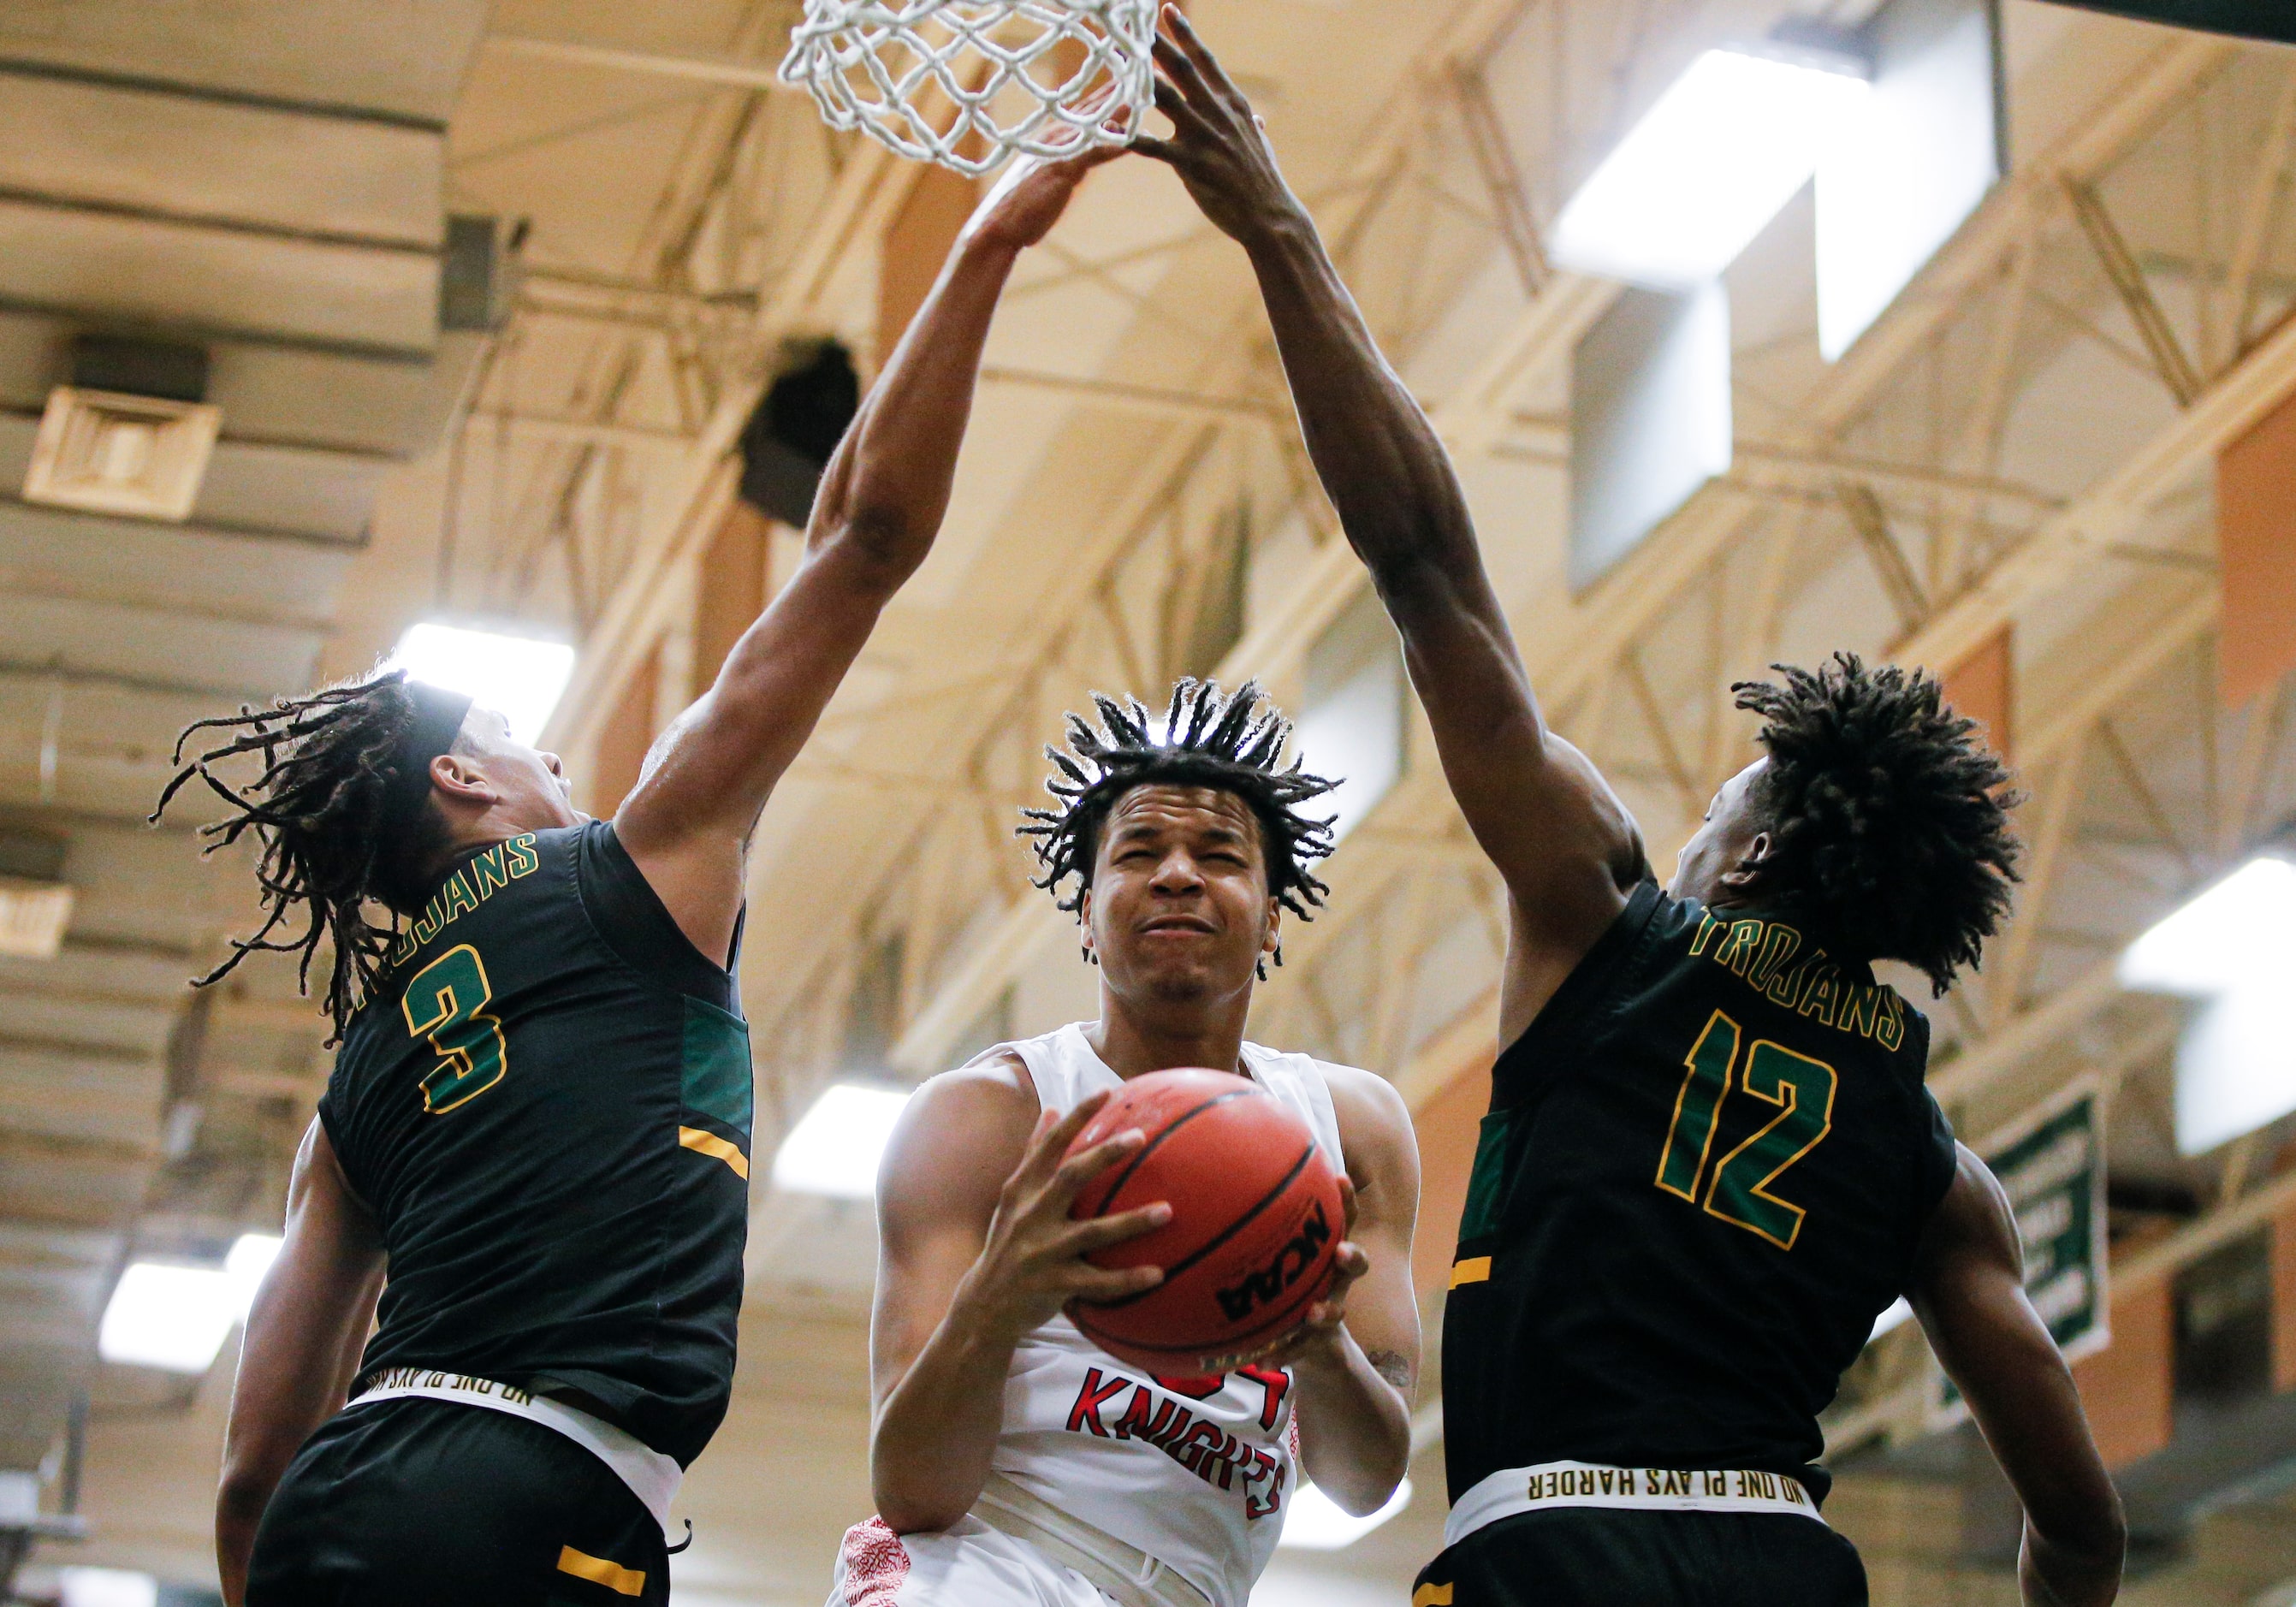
[108,452]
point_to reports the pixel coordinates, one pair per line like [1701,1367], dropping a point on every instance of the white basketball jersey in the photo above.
[1193,1471]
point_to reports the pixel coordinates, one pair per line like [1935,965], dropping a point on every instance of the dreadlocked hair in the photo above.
[318,808]
[1886,812]
[1235,743]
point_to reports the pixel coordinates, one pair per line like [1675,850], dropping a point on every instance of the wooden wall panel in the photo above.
[2283,1301]
[1984,686]
[1446,1125]
[628,732]
[2129,1387]
[916,245]
[736,570]
[2256,546]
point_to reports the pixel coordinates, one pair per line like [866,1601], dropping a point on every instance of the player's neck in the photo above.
[1133,1042]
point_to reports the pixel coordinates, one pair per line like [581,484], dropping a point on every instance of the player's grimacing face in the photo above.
[1723,842]
[1178,905]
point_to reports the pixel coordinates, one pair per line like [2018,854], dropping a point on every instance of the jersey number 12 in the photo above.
[1738,1187]
[447,1004]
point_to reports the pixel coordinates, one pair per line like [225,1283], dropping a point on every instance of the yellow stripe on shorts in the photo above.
[614,1576]
[1432,1595]
[709,1143]
[1475,1269]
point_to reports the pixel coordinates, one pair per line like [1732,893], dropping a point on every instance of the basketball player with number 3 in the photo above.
[538,1126]
[1711,1162]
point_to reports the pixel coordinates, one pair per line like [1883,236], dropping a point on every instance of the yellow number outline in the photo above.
[452,1014]
[1789,1097]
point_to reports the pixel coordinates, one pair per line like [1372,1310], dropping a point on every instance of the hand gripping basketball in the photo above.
[1255,1240]
[1033,1264]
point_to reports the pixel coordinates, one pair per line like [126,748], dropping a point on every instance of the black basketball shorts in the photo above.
[428,1504]
[1586,1557]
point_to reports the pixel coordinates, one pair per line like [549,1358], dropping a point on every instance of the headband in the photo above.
[438,719]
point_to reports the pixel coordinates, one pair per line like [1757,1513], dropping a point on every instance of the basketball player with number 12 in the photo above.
[1710,1161]
[1013,1461]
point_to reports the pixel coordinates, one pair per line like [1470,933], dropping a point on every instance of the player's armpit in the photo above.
[1969,1293]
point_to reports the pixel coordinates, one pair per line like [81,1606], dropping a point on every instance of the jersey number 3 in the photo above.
[447,1003]
[1738,1188]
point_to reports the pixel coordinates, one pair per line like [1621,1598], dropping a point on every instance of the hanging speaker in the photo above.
[791,437]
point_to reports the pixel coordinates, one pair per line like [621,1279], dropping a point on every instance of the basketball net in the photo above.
[968,83]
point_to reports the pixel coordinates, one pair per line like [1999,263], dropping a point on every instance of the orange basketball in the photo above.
[1257,1220]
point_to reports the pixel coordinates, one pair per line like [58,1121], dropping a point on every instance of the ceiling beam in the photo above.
[1478,416]
[723,70]
[528,426]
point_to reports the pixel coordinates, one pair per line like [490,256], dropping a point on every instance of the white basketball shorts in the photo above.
[969,1565]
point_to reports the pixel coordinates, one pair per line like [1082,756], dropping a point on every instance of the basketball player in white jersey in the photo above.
[1014,1464]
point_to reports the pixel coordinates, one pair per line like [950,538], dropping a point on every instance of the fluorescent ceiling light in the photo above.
[175,1316]
[1722,150]
[106,1588]
[2230,932]
[1909,166]
[835,1147]
[1315,1522]
[2230,947]
[521,677]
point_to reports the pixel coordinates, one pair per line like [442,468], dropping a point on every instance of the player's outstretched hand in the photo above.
[1324,1328]
[1218,145]
[1033,1263]
[1030,196]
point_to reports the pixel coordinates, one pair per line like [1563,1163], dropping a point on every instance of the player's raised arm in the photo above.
[304,1333]
[1970,1294]
[880,506]
[1567,847]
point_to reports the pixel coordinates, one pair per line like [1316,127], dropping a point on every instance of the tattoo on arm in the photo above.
[1392,1365]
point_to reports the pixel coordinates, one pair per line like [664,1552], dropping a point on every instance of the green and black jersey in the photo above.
[546,1104]
[1703,1176]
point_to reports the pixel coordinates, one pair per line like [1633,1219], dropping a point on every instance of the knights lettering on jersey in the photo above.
[1104,1407]
[1735,1114]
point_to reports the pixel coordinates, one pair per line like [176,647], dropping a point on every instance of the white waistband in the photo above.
[1119,1570]
[652,1478]
[1530,1489]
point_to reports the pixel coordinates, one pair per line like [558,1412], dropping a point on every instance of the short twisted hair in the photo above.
[331,843]
[1235,743]
[1888,815]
